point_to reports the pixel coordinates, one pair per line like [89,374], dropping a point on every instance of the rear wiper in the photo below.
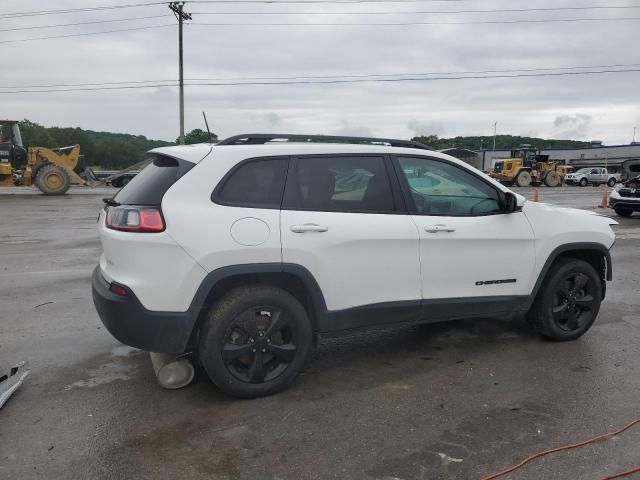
[111,202]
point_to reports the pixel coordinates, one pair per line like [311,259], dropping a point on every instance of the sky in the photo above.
[582,107]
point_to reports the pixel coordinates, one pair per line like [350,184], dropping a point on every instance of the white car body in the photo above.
[357,260]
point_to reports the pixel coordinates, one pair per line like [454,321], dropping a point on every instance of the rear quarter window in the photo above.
[257,183]
[150,185]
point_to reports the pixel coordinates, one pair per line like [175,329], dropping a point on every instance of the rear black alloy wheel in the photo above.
[255,341]
[259,344]
[568,301]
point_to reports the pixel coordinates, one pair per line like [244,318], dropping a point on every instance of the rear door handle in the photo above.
[309,227]
[438,228]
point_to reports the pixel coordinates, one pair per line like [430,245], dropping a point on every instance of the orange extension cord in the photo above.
[569,447]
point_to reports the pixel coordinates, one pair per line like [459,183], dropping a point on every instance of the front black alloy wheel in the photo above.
[568,301]
[574,302]
[255,341]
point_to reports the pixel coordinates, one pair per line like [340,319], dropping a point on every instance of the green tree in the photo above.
[34,135]
[196,135]
[109,151]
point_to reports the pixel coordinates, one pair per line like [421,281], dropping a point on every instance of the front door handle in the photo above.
[438,228]
[309,227]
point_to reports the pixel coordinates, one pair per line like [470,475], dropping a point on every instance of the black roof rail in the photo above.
[262,138]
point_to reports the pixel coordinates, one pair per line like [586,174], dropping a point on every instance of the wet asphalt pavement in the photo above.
[450,401]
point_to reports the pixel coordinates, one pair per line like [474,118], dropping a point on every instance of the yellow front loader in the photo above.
[52,170]
[526,167]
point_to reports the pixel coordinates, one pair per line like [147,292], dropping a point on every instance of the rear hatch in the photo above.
[631,168]
[138,252]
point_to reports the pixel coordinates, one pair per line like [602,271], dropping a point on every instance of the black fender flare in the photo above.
[568,248]
[199,302]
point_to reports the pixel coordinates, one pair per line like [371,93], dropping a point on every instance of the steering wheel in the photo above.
[476,205]
[422,204]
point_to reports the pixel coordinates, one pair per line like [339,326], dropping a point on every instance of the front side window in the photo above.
[344,184]
[439,188]
[257,183]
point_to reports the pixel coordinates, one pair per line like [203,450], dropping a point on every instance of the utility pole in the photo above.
[181,15]
[495,130]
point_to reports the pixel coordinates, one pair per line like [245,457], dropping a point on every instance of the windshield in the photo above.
[10,132]
[584,170]
[17,138]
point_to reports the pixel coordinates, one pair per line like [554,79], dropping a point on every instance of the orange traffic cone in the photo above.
[604,202]
[536,195]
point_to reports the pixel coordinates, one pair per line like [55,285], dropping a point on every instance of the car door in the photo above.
[474,257]
[342,220]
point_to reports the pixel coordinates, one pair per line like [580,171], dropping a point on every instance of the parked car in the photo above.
[243,254]
[592,176]
[625,198]
[121,179]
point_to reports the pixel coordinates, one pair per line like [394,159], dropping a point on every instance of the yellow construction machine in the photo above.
[527,167]
[52,170]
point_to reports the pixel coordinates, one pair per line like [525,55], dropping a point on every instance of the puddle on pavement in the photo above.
[116,366]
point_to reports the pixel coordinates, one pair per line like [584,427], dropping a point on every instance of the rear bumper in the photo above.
[132,324]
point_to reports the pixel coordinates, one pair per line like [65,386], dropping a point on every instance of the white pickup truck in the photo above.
[592,176]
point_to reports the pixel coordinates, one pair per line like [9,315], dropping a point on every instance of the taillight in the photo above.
[118,290]
[129,218]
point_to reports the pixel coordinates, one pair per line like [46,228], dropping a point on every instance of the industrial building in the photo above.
[596,155]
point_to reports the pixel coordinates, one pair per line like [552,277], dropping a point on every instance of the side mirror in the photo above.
[513,202]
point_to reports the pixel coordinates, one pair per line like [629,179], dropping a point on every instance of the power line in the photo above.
[83,23]
[311,2]
[327,82]
[395,24]
[510,10]
[398,24]
[513,10]
[78,10]
[88,33]
[334,76]
[236,2]
[418,12]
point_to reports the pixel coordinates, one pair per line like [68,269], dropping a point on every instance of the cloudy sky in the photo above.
[584,107]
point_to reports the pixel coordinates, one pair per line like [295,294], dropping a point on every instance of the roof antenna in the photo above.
[212,138]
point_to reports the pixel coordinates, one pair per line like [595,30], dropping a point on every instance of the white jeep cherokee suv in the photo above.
[244,253]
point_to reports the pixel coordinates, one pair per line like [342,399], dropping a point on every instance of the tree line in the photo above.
[503,142]
[116,151]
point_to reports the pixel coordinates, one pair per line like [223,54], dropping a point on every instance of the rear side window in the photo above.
[342,184]
[150,185]
[257,183]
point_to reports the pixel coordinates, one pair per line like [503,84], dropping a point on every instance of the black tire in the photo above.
[247,326]
[552,179]
[523,179]
[125,181]
[53,180]
[621,212]
[611,182]
[568,301]
[583,182]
